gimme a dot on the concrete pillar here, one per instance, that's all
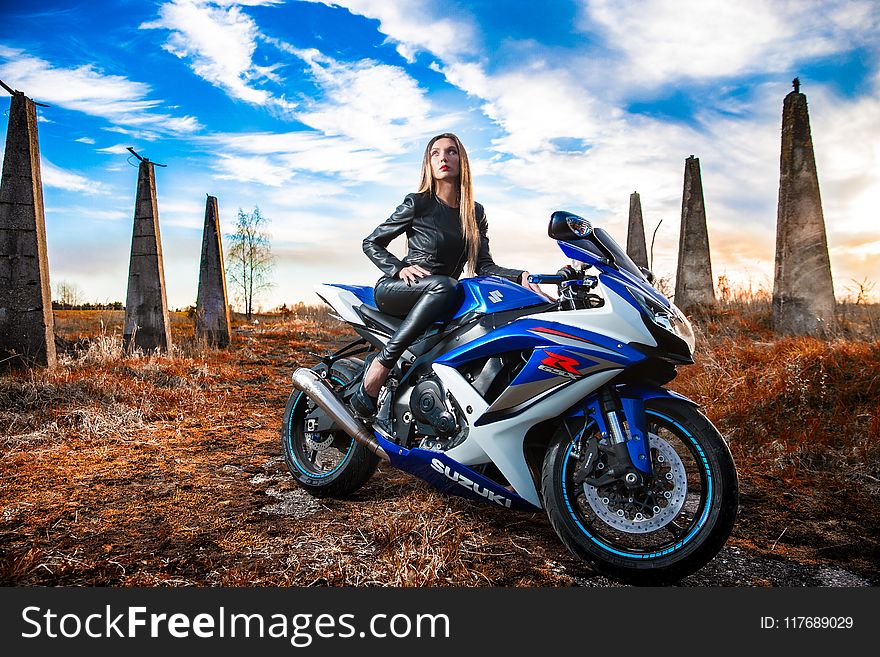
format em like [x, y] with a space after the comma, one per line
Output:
[693, 280]
[212, 304]
[803, 293]
[146, 308]
[27, 326]
[635, 234]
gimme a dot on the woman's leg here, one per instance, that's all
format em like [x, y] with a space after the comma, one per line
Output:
[421, 304]
[432, 298]
[374, 377]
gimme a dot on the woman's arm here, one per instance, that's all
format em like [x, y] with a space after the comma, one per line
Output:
[376, 242]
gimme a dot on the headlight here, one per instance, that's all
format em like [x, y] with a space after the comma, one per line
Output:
[670, 319]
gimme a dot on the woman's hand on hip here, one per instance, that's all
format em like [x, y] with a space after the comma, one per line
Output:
[524, 281]
[412, 274]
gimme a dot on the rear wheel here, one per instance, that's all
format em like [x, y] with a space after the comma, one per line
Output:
[663, 530]
[322, 458]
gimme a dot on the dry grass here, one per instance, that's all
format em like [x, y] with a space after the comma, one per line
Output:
[802, 417]
[747, 311]
[164, 470]
[796, 406]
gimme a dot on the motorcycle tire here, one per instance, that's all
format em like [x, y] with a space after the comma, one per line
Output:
[663, 531]
[327, 463]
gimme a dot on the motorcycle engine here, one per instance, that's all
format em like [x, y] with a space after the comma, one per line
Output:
[435, 416]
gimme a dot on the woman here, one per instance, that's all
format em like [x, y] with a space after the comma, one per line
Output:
[445, 231]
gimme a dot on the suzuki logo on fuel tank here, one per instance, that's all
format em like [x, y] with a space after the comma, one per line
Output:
[495, 296]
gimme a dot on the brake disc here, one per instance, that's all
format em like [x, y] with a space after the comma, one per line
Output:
[316, 440]
[620, 508]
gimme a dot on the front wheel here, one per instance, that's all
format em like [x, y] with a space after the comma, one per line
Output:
[663, 530]
[323, 459]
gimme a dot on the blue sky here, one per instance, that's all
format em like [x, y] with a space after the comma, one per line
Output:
[318, 112]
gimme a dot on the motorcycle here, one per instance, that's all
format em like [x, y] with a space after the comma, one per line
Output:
[528, 405]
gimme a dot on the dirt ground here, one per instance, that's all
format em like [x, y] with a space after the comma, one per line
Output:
[156, 471]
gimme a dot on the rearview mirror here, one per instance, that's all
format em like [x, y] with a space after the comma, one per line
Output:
[566, 226]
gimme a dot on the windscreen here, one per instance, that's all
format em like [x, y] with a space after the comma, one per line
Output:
[620, 258]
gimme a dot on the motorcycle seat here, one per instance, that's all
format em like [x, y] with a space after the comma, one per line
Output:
[385, 322]
[388, 323]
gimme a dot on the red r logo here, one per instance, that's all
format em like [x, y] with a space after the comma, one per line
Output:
[563, 362]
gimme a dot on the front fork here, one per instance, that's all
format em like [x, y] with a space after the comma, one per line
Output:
[626, 451]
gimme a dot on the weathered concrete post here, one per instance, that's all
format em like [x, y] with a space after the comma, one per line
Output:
[212, 303]
[27, 326]
[635, 234]
[803, 293]
[693, 280]
[146, 308]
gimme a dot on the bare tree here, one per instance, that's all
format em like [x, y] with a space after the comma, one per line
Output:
[249, 258]
[861, 290]
[68, 294]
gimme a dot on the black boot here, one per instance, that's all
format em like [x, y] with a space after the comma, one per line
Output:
[364, 405]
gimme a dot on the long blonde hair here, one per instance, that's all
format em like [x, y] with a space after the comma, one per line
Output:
[466, 208]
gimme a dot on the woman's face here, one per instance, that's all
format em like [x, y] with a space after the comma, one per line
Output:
[444, 159]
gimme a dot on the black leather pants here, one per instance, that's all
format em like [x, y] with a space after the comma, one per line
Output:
[430, 299]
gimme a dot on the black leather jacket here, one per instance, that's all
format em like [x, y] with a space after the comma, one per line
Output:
[434, 240]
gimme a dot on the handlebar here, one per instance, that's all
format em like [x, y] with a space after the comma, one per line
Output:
[567, 273]
[546, 278]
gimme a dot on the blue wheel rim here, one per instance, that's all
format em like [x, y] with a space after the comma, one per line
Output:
[294, 453]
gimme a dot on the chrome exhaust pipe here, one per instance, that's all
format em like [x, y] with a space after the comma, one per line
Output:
[315, 389]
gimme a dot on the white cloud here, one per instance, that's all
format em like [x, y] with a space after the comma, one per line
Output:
[115, 149]
[253, 168]
[248, 3]
[87, 89]
[180, 125]
[85, 140]
[219, 44]
[55, 176]
[377, 105]
[665, 40]
[146, 135]
[846, 140]
[93, 213]
[417, 26]
[533, 105]
[274, 158]
[182, 213]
